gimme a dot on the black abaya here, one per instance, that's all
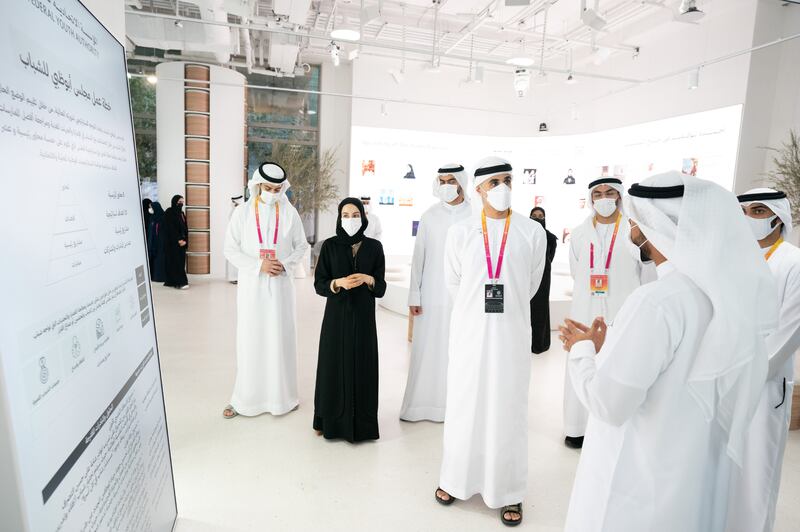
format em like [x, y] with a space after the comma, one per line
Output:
[175, 230]
[540, 304]
[156, 244]
[346, 396]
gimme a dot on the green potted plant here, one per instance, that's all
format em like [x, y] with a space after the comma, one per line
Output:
[785, 174]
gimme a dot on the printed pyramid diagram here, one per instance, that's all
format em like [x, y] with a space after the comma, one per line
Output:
[72, 249]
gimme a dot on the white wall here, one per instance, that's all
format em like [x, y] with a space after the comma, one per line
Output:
[334, 125]
[111, 13]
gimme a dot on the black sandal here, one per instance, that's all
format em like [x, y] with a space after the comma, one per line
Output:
[511, 509]
[444, 502]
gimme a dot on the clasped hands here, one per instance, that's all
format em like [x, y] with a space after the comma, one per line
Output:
[573, 332]
[354, 281]
[271, 267]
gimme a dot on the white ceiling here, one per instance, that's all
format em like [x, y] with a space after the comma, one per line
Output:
[487, 32]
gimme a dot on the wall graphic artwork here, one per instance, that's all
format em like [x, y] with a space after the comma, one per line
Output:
[549, 171]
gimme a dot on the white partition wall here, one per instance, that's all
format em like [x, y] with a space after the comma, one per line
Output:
[200, 120]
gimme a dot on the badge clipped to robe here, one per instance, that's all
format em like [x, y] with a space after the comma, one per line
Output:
[598, 283]
[493, 304]
[494, 293]
[267, 254]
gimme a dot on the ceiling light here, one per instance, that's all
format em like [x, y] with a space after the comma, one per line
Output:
[522, 81]
[477, 75]
[571, 79]
[346, 34]
[689, 11]
[694, 79]
[152, 79]
[520, 61]
[334, 50]
[592, 18]
[433, 68]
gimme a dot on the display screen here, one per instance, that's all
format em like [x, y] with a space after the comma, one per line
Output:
[80, 369]
[397, 168]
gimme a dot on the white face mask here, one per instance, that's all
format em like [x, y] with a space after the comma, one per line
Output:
[761, 227]
[605, 207]
[151, 210]
[268, 197]
[499, 197]
[447, 193]
[351, 226]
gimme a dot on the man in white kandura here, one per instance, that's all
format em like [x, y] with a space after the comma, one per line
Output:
[493, 266]
[374, 228]
[672, 390]
[265, 240]
[605, 271]
[429, 300]
[754, 488]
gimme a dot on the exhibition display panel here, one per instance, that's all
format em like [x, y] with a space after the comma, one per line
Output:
[81, 403]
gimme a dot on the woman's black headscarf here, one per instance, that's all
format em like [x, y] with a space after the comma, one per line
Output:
[158, 211]
[538, 220]
[175, 199]
[341, 235]
[146, 203]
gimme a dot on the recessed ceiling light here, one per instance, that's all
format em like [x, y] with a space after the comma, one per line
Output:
[520, 61]
[345, 34]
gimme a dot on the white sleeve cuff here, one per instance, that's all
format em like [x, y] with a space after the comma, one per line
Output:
[582, 349]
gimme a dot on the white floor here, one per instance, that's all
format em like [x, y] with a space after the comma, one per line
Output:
[274, 474]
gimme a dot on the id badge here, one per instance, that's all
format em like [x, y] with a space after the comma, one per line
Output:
[598, 285]
[494, 298]
[267, 254]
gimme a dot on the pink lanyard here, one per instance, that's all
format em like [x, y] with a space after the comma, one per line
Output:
[496, 275]
[277, 223]
[610, 248]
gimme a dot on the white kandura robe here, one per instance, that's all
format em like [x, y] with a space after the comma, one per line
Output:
[650, 462]
[754, 488]
[624, 276]
[266, 353]
[374, 228]
[426, 388]
[485, 447]
[231, 274]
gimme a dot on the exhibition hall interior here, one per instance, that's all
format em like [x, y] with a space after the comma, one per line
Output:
[400, 265]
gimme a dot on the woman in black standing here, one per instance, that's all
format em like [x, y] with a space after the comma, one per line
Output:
[176, 240]
[155, 245]
[350, 274]
[540, 304]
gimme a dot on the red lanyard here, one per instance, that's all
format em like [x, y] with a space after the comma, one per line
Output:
[496, 275]
[610, 248]
[277, 223]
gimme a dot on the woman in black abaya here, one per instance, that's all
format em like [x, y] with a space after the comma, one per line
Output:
[176, 240]
[155, 244]
[350, 274]
[540, 304]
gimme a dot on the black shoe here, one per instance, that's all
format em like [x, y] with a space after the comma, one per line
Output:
[574, 442]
